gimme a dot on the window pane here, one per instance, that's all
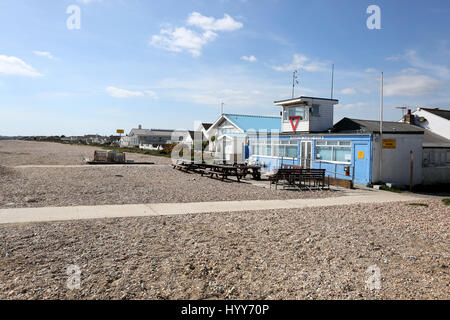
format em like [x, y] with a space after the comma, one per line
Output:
[332, 143]
[323, 153]
[342, 154]
[291, 151]
[297, 111]
[276, 151]
[344, 143]
[315, 110]
[321, 143]
[269, 150]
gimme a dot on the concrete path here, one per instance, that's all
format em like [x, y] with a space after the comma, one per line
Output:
[91, 166]
[27, 215]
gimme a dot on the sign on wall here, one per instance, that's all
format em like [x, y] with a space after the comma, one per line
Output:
[360, 154]
[389, 143]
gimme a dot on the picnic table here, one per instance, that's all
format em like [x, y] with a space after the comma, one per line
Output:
[221, 171]
[300, 178]
[255, 171]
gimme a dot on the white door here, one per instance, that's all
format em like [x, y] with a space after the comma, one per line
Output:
[306, 153]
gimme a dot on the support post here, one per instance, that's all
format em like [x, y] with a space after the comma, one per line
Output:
[411, 170]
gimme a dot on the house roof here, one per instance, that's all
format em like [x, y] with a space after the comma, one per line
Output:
[438, 112]
[373, 126]
[207, 125]
[140, 132]
[298, 99]
[257, 123]
[151, 132]
[433, 140]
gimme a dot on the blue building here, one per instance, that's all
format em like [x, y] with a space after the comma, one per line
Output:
[351, 149]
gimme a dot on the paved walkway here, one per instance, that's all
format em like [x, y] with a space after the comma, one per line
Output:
[90, 166]
[26, 215]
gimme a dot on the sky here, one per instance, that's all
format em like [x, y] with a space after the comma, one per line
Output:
[167, 64]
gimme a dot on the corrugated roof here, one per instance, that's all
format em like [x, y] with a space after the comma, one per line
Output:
[373, 126]
[258, 123]
[438, 112]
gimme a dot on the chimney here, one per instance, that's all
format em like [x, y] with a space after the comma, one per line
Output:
[409, 118]
[140, 127]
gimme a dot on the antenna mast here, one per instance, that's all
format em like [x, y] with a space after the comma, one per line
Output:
[332, 81]
[294, 82]
[221, 108]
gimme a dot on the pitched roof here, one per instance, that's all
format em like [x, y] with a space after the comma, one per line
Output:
[438, 112]
[257, 123]
[373, 126]
[140, 132]
[207, 125]
[433, 140]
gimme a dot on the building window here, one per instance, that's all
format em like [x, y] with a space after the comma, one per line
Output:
[334, 151]
[297, 111]
[287, 149]
[315, 110]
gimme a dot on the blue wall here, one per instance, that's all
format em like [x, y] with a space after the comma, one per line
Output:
[360, 169]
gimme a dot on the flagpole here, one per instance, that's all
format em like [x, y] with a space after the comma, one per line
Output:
[381, 126]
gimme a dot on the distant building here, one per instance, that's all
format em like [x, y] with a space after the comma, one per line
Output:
[436, 142]
[436, 120]
[230, 133]
[139, 136]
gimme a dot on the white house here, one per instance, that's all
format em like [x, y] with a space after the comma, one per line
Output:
[436, 120]
[228, 134]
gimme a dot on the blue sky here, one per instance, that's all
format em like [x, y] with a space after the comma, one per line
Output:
[166, 64]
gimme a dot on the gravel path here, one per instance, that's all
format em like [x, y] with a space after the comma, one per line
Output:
[46, 187]
[17, 153]
[320, 253]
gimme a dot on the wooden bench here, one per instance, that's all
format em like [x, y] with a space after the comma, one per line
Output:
[300, 178]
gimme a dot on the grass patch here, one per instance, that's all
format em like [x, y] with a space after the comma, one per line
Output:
[386, 188]
[446, 201]
[418, 204]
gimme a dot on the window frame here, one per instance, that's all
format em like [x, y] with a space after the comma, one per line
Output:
[332, 145]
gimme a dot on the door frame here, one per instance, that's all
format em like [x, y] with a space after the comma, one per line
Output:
[304, 162]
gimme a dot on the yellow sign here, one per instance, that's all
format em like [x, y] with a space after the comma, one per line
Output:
[120, 131]
[389, 143]
[360, 154]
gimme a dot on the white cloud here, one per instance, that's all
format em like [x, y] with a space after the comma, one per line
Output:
[348, 91]
[16, 66]
[410, 85]
[179, 39]
[151, 94]
[304, 63]
[396, 57]
[357, 105]
[88, 1]
[185, 39]
[241, 91]
[45, 54]
[249, 58]
[227, 23]
[417, 62]
[122, 93]
[370, 70]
